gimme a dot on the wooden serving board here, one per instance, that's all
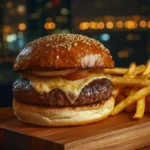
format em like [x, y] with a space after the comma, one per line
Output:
[115, 132]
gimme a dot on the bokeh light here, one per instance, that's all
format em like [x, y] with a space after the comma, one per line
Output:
[93, 25]
[9, 4]
[22, 26]
[109, 25]
[7, 29]
[119, 24]
[49, 25]
[21, 9]
[148, 24]
[130, 24]
[100, 25]
[142, 24]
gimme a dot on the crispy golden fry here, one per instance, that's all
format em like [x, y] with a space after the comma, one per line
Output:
[116, 71]
[139, 70]
[132, 88]
[147, 70]
[130, 71]
[128, 92]
[117, 91]
[131, 99]
[140, 109]
[136, 82]
[144, 76]
[122, 71]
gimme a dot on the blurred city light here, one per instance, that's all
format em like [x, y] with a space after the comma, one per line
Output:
[119, 24]
[84, 25]
[93, 25]
[130, 24]
[22, 26]
[11, 38]
[9, 4]
[100, 25]
[123, 54]
[7, 29]
[49, 25]
[64, 11]
[105, 37]
[142, 24]
[148, 24]
[21, 9]
[109, 25]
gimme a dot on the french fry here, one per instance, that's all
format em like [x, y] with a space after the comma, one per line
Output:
[116, 91]
[116, 71]
[147, 70]
[130, 71]
[140, 109]
[122, 71]
[128, 92]
[130, 82]
[132, 89]
[131, 99]
[144, 76]
[139, 70]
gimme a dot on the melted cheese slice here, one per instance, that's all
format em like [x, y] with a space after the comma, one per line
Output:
[71, 89]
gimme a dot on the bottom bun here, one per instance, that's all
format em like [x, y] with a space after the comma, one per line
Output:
[67, 116]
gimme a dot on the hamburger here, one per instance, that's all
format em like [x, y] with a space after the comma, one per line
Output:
[62, 81]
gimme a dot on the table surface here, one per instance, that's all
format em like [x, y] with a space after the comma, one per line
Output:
[9, 113]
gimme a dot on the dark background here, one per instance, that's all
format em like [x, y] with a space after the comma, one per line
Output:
[123, 26]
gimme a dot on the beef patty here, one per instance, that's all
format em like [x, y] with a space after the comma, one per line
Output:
[97, 91]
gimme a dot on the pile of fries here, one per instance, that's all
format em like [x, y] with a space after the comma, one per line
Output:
[131, 89]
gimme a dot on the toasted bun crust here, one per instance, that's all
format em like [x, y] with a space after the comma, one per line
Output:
[63, 51]
[64, 116]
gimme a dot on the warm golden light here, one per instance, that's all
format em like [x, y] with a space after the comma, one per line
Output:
[22, 26]
[21, 9]
[119, 24]
[100, 25]
[80, 26]
[148, 24]
[109, 25]
[143, 24]
[123, 54]
[85, 25]
[9, 4]
[49, 25]
[93, 25]
[7, 29]
[136, 24]
[130, 24]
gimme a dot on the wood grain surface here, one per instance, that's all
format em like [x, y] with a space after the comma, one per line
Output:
[115, 132]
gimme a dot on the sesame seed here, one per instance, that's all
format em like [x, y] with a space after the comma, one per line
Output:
[57, 57]
[68, 41]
